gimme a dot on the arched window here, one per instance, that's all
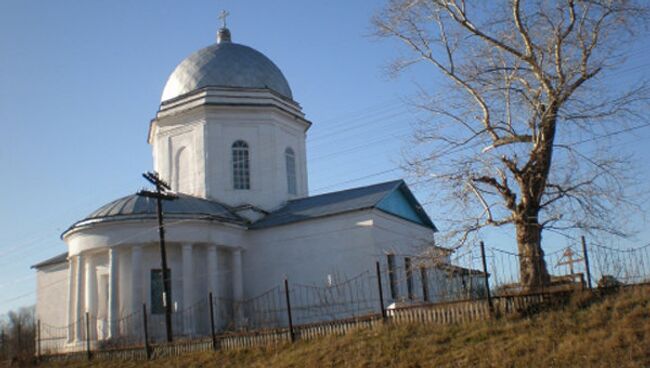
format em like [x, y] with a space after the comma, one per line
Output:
[182, 181]
[241, 178]
[290, 161]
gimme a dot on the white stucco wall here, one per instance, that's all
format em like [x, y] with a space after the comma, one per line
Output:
[401, 238]
[268, 134]
[340, 247]
[192, 148]
[307, 252]
[52, 303]
[178, 152]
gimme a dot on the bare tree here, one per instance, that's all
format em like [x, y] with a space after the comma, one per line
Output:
[17, 335]
[526, 89]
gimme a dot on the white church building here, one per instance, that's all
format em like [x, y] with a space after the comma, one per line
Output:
[229, 138]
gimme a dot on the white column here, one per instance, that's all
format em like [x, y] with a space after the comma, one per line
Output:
[136, 286]
[136, 278]
[213, 267]
[70, 314]
[113, 306]
[91, 296]
[188, 288]
[213, 280]
[237, 284]
[79, 308]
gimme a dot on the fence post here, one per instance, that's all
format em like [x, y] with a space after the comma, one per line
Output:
[485, 278]
[88, 353]
[381, 293]
[425, 283]
[38, 339]
[214, 336]
[586, 258]
[292, 336]
[147, 349]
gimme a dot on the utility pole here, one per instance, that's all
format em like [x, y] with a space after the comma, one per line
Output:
[162, 192]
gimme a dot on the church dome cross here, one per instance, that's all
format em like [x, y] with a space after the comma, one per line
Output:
[223, 35]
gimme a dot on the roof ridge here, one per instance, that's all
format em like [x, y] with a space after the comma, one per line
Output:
[59, 258]
[346, 190]
[327, 204]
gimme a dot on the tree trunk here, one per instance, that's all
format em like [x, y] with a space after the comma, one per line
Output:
[533, 272]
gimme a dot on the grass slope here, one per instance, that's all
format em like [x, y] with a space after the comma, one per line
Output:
[612, 332]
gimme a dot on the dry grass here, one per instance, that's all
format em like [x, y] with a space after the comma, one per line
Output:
[614, 332]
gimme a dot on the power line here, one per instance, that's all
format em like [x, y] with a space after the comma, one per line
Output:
[362, 124]
[357, 179]
[358, 147]
[344, 118]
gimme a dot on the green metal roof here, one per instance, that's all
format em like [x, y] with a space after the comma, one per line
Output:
[392, 197]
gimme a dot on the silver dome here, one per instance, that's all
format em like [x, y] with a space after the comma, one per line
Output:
[225, 64]
[135, 207]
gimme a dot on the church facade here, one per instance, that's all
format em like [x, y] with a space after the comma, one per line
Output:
[229, 138]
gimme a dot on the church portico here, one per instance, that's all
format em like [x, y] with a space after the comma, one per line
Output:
[110, 293]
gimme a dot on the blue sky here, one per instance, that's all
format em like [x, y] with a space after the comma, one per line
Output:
[80, 80]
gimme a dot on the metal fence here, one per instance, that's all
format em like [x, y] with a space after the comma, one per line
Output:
[579, 264]
[398, 282]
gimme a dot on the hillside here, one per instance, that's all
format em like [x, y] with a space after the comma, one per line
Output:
[609, 332]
